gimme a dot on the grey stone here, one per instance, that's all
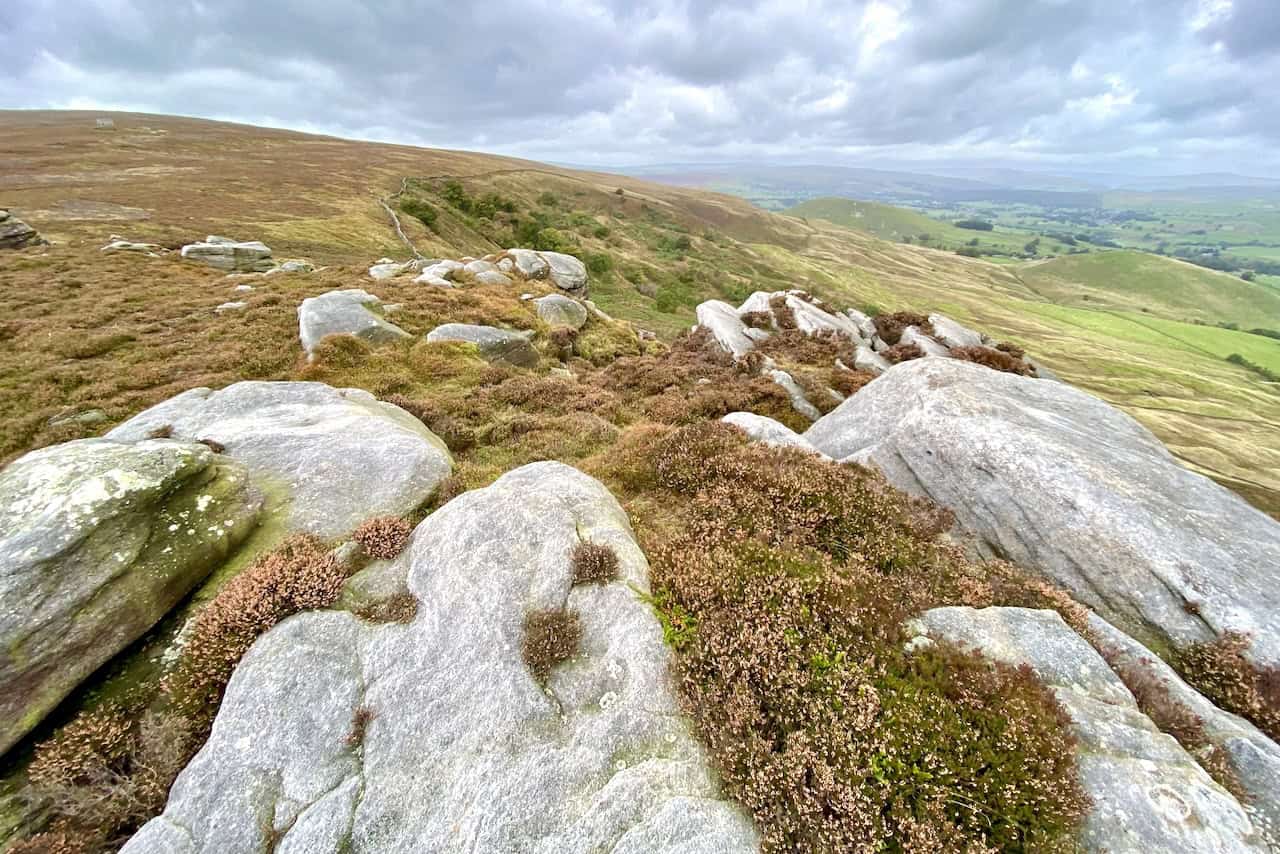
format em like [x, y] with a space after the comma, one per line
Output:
[98, 540]
[328, 458]
[566, 272]
[913, 335]
[344, 313]
[385, 268]
[866, 359]
[501, 345]
[294, 265]
[15, 234]
[1056, 480]
[528, 263]
[87, 418]
[231, 306]
[1254, 757]
[475, 267]
[952, 334]
[762, 429]
[120, 245]
[1148, 793]
[866, 326]
[559, 310]
[227, 254]
[463, 749]
[492, 277]
[799, 402]
[722, 321]
[812, 319]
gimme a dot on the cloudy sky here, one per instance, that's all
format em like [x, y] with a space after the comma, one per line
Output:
[1155, 86]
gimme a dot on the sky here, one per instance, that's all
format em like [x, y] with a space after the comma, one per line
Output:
[1138, 86]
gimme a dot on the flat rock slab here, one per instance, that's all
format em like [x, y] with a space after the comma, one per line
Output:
[230, 255]
[347, 312]
[1056, 480]
[338, 456]
[496, 345]
[1148, 793]
[98, 540]
[463, 749]
[560, 310]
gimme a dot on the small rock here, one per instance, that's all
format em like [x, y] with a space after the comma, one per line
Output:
[296, 265]
[770, 432]
[866, 326]
[492, 277]
[118, 245]
[799, 402]
[244, 289]
[866, 359]
[344, 313]
[912, 335]
[495, 344]
[15, 234]
[386, 268]
[227, 254]
[231, 306]
[559, 310]
[87, 418]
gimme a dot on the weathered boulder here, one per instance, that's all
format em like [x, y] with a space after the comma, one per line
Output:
[339, 735]
[799, 402]
[440, 271]
[528, 263]
[477, 266]
[119, 244]
[913, 336]
[763, 429]
[230, 255]
[491, 277]
[722, 321]
[98, 540]
[809, 317]
[866, 359]
[566, 271]
[15, 234]
[386, 268]
[1148, 793]
[866, 326]
[560, 310]
[1054, 479]
[952, 334]
[328, 458]
[293, 265]
[1254, 758]
[496, 345]
[235, 305]
[344, 313]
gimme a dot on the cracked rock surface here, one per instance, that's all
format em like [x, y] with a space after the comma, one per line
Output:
[463, 750]
[1054, 479]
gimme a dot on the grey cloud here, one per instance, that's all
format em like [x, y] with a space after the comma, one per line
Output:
[621, 81]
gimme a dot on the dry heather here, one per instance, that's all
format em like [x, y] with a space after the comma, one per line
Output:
[550, 637]
[1222, 672]
[384, 537]
[594, 563]
[997, 360]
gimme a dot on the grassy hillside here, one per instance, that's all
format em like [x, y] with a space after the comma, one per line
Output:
[1141, 282]
[903, 225]
[79, 330]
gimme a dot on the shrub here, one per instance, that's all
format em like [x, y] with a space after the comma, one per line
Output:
[1012, 349]
[997, 360]
[383, 537]
[975, 225]
[821, 349]
[550, 637]
[758, 319]
[783, 315]
[164, 431]
[360, 721]
[1221, 670]
[903, 353]
[562, 339]
[455, 435]
[420, 211]
[299, 575]
[891, 326]
[598, 263]
[849, 382]
[594, 563]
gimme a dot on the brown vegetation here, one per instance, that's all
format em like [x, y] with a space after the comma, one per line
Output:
[891, 326]
[594, 563]
[384, 537]
[903, 353]
[550, 637]
[998, 360]
[1221, 670]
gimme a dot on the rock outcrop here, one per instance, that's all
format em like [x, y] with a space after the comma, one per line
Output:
[349, 312]
[230, 255]
[496, 345]
[435, 736]
[1055, 479]
[14, 233]
[1148, 793]
[98, 540]
[328, 458]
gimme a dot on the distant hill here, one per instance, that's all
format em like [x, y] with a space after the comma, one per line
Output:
[1142, 282]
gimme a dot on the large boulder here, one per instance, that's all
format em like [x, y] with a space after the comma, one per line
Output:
[560, 310]
[98, 540]
[496, 345]
[760, 428]
[349, 312]
[1148, 793]
[14, 233]
[952, 334]
[528, 263]
[340, 735]
[722, 321]
[329, 458]
[566, 272]
[1054, 479]
[230, 255]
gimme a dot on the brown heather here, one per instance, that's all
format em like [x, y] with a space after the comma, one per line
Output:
[594, 563]
[995, 359]
[903, 353]
[383, 537]
[784, 592]
[550, 637]
[400, 608]
[783, 315]
[1220, 669]
[891, 326]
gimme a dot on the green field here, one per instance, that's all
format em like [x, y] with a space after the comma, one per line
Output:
[1141, 282]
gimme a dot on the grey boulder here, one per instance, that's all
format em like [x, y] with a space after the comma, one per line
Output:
[528, 263]
[491, 277]
[230, 255]
[15, 234]
[98, 540]
[327, 458]
[866, 359]
[722, 321]
[760, 428]
[912, 336]
[496, 345]
[566, 271]
[1148, 793]
[337, 735]
[1054, 479]
[348, 312]
[560, 310]
[952, 334]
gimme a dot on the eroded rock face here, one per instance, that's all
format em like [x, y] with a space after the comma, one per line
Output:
[462, 749]
[230, 255]
[1148, 793]
[1057, 480]
[335, 456]
[501, 345]
[349, 312]
[98, 540]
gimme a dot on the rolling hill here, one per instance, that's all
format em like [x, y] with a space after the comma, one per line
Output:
[80, 330]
